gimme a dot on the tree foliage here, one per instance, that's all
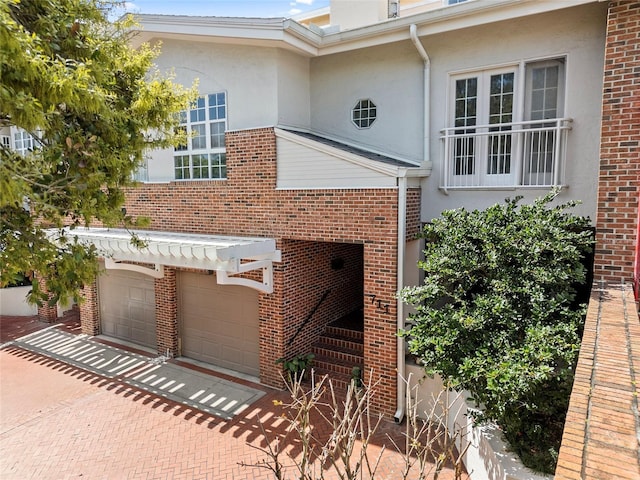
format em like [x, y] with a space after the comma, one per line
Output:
[94, 105]
[497, 315]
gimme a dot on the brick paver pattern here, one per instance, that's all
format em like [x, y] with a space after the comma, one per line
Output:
[58, 421]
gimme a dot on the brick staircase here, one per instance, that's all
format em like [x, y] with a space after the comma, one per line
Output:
[337, 351]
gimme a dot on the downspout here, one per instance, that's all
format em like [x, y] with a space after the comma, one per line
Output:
[402, 213]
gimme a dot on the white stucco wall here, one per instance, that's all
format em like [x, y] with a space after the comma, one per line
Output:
[390, 76]
[13, 301]
[293, 101]
[247, 74]
[576, 34]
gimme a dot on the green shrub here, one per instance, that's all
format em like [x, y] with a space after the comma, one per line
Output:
[497, 315]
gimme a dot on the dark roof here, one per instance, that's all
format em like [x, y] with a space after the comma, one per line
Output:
[354, 150]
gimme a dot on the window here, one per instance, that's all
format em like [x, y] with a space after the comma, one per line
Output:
[23, 142]
[203, 156]
[5, 141]
[364, 114]
[499, 136]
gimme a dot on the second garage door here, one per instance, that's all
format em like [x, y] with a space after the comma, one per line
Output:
[220, 323]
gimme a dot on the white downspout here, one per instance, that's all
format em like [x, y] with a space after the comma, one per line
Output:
[413, 32]
[402, 213]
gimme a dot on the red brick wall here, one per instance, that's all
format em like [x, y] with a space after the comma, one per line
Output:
[247, 203]
[89, 313]
[414, 223]
[167, 313]
[46, 313]
[617, 211]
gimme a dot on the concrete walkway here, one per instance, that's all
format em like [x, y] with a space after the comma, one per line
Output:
[60, 420]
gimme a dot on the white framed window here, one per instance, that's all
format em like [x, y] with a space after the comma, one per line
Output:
[486, 100]
[5, 141]
[203, 157]
[497, 134]
[364, 113]
[23, 142]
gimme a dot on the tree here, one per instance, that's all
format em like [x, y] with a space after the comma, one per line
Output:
[497, 315]
[93, 105]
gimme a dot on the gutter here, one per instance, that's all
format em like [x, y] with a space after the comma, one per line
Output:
[402, 228]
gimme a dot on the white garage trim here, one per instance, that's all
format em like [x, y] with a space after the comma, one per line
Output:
[226, 255]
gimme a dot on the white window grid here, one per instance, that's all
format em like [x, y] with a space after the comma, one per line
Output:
[364, 113]
[203, 157]
[537, 93]
[23, 142]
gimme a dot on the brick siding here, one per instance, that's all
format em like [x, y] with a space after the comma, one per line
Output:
[46, 313]
[89, 312]
[618, 188]
[601, 431]
[311, 228]
[167, 313]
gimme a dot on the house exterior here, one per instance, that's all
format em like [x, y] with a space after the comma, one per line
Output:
[321, 145]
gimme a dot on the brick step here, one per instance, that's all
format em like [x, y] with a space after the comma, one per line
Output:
[340, 382]
[330, 364]
[352, 354]
[345, 333]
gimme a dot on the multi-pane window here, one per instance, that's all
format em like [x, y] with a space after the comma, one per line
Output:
[500, 113]
[364, 114]
[5, 141]
[543, 85]
[498, 134]
[23, 142]
[466, 115]
[203, 156]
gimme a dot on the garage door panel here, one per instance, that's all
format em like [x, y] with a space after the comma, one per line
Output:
[219, 322]
[127, 306]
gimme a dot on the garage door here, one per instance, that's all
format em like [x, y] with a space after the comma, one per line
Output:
[127, 306]
[219, 322]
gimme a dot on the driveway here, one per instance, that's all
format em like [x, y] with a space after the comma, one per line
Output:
[60, 421]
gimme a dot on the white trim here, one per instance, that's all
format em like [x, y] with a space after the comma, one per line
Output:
[156, 272]
[226, 254]
[288, 34]
[385, 169]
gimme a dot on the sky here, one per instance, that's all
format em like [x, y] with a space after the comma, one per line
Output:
[226, 8]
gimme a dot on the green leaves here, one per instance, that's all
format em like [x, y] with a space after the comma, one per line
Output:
[94, 105]
[497, 313]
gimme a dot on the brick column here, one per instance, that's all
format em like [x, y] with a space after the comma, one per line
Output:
[46, 313]
[167, 313]
[89, 312]
[617, 212]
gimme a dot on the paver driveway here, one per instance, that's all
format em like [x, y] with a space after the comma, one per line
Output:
[58, 421]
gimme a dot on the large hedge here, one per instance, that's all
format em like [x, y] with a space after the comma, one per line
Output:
[497, 315]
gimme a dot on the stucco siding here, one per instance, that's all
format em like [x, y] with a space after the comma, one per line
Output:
[391, 77]
[248, 75]
[576, 34]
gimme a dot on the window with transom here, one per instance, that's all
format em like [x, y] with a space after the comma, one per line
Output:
[203, 156]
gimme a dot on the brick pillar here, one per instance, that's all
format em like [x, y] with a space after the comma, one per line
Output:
[617, 212]
[167, 313]
[89, 312]
[46, 313]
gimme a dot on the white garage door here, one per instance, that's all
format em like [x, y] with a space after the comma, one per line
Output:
[128, 306]
[219, 323]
